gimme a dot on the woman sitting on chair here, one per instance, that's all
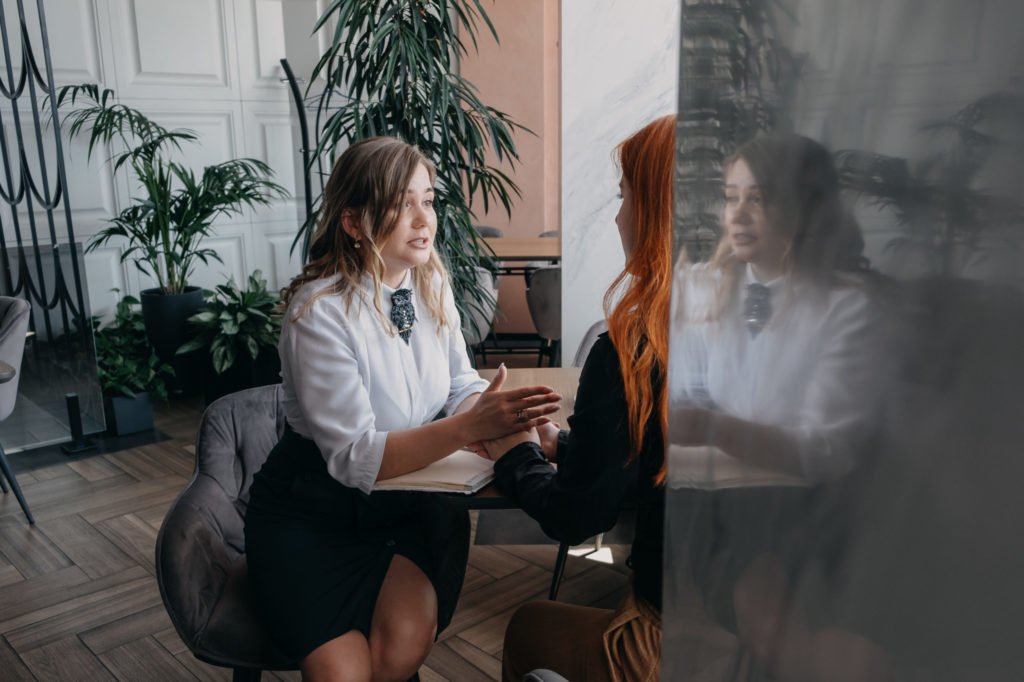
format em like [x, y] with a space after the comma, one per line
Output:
[355, 584]
[614, 449]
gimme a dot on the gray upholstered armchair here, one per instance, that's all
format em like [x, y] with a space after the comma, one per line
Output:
[200, 551]
[14, 314]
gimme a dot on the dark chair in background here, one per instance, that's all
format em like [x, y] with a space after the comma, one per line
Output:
[487, 232]
[544, 299]
[200, 551]
[477, 325]
[14, 313]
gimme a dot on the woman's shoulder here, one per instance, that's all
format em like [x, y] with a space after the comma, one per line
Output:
[316, 298]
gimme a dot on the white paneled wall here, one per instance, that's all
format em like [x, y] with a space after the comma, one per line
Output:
[207, 65]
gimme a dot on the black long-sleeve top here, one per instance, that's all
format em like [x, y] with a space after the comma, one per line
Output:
[592, 483]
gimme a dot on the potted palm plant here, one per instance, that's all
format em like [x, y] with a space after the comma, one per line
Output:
[238, 329]
[129, 371]
[164, 226]
[391, 68]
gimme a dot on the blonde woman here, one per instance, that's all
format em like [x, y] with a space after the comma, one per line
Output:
[355, 584]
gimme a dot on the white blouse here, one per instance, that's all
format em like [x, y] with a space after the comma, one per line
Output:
[814, 370]
[348, 381]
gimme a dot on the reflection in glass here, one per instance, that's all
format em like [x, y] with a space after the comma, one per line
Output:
[845, 351]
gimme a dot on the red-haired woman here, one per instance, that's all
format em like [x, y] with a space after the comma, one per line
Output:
[615, 446]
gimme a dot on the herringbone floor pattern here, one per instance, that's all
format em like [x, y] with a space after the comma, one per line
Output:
[79, 600]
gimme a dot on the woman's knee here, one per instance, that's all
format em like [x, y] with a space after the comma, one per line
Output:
[400, 647]
[343, 659]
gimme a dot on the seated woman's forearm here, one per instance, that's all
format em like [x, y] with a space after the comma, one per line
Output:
[415, 448]
[759, 444]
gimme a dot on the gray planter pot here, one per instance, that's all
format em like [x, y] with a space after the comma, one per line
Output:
[128, 415]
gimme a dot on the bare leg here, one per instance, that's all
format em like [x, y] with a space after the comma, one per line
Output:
[343, 659]
[404, 622]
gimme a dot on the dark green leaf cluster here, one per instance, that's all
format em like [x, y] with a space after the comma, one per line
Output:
[236, 322]
[164, 227]
[125, 360]
[390, 69]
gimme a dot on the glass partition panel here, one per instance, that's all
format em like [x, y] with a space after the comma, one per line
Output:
[844, 468]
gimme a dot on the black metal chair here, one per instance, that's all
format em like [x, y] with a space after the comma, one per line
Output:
[14, 313]
[200, 551]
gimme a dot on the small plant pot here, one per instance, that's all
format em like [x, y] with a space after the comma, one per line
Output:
[128, 415]
[166, 318]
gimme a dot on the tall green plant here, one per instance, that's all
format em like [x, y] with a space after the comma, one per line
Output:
[391, 69]
[165, 226]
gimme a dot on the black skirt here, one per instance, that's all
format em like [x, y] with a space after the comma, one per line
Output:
[317, 551]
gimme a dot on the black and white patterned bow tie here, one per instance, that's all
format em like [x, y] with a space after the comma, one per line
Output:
[402, 312]
[757, 309]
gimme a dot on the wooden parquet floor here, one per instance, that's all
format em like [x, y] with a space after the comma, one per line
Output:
[79, 600]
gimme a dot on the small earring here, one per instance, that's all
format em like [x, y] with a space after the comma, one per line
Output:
[359, 244]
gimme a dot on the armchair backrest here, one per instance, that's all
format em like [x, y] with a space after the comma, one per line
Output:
[14, 314]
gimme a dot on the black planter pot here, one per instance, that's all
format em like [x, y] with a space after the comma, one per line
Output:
[244, 373]
[128, 415]
[166, 319]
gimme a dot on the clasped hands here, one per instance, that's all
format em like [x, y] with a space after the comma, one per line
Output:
[508, 418]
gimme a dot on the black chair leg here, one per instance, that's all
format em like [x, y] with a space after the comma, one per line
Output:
[5, 472]
[246, 675]
[556, 574]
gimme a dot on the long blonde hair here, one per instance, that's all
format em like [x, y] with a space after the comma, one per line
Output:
[370, 177]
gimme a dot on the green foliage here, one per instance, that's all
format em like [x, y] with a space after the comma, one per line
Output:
[164, 227]
[235, 322]
[125, 361]
[391, 69]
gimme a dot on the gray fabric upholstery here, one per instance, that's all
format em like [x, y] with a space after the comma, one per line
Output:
[13, 325]
[478, 323]
[583, 350]
[200, 551]
[543, 676]
[487, 231]
[544, 298]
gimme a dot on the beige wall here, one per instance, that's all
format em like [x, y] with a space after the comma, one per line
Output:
[521, 76]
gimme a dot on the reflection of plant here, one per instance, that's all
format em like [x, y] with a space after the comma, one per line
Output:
[125, 361]
[236, 322]
[391, 69]
[940, 205]
[165, 227]
[739, 76]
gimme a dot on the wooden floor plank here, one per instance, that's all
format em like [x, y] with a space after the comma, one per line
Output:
[529, 583]
[170, 640]
[449, 665]
[134, 537]
[489, 664]
[143, 464]
[87, 612]
[26, 548]
[204, 671]
[41, 591]
[495, 562]
[13, 667]
[130, 497]
[66, 659]
[9, 575]
[112, 634]
[94, 469]
[87, 548]
[145, 659]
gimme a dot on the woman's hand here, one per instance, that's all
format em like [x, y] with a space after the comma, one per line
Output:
[496, 449]
[499, 413]
[548, 435]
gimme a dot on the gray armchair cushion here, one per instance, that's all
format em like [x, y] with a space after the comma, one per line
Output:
[200, 551]
[14, 314]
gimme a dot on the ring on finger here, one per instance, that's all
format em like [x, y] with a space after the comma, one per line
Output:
[521, 416]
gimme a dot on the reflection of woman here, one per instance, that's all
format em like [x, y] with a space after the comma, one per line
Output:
[772, 351]
[355, 585]
[774, 361]
[615, 447]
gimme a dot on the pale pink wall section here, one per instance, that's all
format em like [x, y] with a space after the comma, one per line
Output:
[521, 76]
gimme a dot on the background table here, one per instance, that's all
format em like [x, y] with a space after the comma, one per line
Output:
[526, 248]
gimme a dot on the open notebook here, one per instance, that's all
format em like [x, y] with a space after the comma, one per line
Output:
[708, 468]
[460, 472]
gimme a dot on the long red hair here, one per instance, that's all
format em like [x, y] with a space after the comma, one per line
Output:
[638, 319]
